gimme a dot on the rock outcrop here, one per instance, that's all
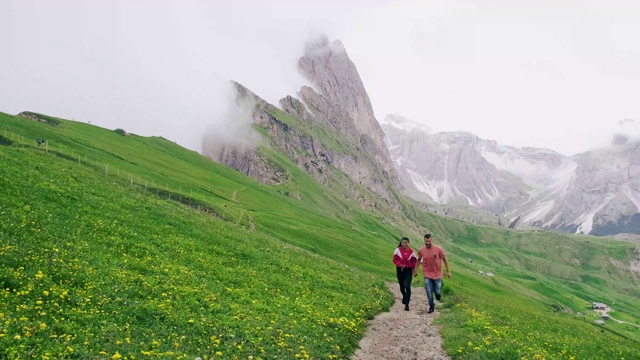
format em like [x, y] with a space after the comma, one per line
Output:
[39, 118]
[238, 147]
[330, 128]
[341, 100]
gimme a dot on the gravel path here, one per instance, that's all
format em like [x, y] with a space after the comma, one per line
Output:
[403, 335]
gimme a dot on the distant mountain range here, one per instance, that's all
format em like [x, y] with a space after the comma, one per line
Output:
[596, 192]
[329, 130]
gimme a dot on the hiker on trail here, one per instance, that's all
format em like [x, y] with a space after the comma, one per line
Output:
[431, 258]
[406, 266]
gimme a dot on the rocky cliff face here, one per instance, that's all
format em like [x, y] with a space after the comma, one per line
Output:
[235, 144]
[332, 127]
[604, 194]
[448, 168]
[342, 101]
[596, 192]
[341, 97]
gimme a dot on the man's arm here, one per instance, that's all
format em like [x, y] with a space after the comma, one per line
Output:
[446, 264]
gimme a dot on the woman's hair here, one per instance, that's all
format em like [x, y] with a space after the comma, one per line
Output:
[404, 238]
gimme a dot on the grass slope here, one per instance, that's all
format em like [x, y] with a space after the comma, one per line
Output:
[128, 247]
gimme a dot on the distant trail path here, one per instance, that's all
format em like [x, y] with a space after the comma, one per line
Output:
[403, 335]
[624, 322]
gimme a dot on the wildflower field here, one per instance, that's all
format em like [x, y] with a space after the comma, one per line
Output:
[490, 322]
[116, 247]
[89, 269]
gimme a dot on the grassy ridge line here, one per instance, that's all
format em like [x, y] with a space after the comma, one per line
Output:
[175, 167]
[139, 156]
[318, 209]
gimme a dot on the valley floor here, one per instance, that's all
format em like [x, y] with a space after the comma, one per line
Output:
[403, 335]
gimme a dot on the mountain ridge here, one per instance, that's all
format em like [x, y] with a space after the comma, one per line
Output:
[331, 126]
[595, 192]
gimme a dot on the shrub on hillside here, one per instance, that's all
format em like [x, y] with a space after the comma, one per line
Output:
[4, 141]
[121, 132]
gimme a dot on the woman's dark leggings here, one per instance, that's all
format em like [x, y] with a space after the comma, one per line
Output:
[404, 279]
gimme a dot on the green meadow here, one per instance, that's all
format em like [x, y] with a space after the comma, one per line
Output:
[115, 247]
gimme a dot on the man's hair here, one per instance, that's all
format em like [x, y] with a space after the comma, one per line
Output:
[427, 236]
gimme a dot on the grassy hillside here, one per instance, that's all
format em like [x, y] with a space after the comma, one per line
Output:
[114, 246]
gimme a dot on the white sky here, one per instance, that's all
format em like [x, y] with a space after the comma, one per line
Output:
[557, 74]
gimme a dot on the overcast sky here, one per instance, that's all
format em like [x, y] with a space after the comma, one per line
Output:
[556, 74]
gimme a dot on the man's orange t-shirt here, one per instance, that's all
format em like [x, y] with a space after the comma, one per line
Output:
[431, 261]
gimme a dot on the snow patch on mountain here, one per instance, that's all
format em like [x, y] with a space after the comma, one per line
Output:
[511, 162]
[586, 220]
[438, 191]
[632, 195]
[539, 211]
[469, 201]
[560, 180]
[404, 124]
[533, 166]
[491, 195]
[554, 220]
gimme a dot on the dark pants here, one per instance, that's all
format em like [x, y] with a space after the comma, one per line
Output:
[404, 279]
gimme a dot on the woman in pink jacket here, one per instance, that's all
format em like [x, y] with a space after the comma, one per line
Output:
[406, 266]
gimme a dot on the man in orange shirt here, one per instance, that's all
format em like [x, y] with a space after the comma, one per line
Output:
[431, 258]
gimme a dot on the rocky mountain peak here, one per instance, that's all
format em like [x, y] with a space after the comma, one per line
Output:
[338, 96]
[328, 126]
[338, 89]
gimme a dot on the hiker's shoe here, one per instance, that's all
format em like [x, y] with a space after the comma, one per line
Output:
[438, 296]
[431, 309]
[406, 307]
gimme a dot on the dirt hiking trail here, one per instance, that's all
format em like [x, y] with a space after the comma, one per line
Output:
[403, 335]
